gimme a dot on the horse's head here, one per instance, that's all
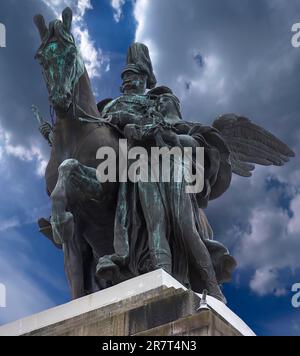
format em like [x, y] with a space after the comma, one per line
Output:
[60, 59]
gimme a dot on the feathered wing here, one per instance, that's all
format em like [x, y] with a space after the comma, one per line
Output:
[251, 144]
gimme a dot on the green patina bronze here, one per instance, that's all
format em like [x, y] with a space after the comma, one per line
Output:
[61, 62]
[115, 231]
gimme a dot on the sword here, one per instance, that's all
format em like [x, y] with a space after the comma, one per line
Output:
[42, 123]
[38, 115]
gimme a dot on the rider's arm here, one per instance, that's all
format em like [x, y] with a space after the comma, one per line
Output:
[47, 132]
[122, 118]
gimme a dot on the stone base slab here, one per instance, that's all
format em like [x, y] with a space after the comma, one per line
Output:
[154, 304]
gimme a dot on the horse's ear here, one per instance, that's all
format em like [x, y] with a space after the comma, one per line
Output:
[67, 16]
[41, 25]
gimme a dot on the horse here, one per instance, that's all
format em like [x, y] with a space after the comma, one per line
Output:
[83, 210]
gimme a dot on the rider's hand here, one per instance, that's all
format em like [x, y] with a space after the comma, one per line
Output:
[45, 130]
[115, 120]
[133, 133]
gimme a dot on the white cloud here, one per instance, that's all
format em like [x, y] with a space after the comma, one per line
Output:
[117, 5]
[83, 6]
[95, 60]
[56, 5]
[8, 224]
[264, 282]
[272, 246]
[140, 13]
[26, 154]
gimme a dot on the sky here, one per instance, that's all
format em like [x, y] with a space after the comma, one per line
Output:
[218, 57]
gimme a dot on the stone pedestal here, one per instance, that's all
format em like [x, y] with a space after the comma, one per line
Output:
[154, 304]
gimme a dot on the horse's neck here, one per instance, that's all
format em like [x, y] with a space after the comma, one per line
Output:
[85, 99]
[69, 130]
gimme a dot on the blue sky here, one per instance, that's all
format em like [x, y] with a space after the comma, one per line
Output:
[218, 57]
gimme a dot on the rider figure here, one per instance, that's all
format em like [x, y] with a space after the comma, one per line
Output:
[137, 77]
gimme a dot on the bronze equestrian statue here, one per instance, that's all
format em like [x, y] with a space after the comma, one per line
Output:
[117, 230]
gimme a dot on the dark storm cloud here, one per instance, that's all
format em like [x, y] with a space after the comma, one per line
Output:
[250, 65]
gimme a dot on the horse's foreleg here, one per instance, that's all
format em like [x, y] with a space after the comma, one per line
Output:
[76, 189]
[63, 227]
[62, 221]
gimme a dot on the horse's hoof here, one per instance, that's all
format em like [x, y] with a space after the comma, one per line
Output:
[121, 261]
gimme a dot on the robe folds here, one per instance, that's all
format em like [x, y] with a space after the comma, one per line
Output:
[161, 222]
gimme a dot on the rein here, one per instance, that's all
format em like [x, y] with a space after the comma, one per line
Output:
[52, 115]
[88, 118]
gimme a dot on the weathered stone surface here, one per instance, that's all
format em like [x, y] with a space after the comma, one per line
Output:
[113, 320]
[206, 323]
[154, 305]
[161, 312]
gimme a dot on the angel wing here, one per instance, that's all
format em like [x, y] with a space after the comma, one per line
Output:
[251, 144]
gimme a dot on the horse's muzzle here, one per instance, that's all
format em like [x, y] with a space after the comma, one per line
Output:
[61, 102]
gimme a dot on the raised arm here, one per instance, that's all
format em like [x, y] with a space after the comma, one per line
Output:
[44, 127]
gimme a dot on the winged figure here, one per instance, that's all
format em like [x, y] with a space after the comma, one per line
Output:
[250, 144]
